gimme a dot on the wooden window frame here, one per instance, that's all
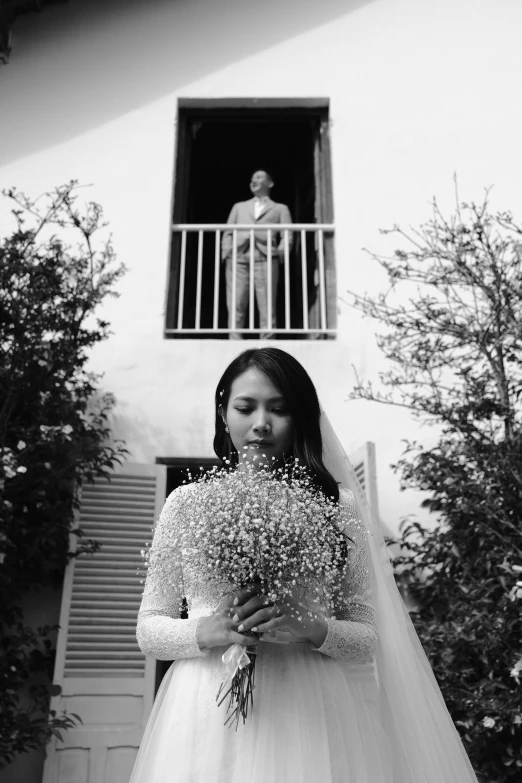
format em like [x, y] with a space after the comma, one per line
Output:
[193, 109]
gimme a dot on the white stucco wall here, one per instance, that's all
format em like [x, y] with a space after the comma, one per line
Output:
[418, 90]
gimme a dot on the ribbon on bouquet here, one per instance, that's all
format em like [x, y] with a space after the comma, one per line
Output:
[238, 682]
[235, 658]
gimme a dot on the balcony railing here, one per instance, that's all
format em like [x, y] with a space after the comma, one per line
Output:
[202, 301]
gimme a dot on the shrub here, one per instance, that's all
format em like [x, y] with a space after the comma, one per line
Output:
[54, 432]
[452, 331]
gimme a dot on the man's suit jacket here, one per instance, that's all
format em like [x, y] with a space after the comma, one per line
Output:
[243, 212]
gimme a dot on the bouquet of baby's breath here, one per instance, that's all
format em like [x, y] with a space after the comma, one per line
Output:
[268, 525]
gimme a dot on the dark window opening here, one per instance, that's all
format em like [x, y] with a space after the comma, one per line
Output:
[217, 152]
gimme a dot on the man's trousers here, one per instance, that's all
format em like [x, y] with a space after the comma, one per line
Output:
[243, 294]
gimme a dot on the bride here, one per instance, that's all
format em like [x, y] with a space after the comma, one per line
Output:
[350, 699]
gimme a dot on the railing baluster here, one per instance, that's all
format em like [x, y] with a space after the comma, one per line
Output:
[287, 278]
[304, 280]
[211, 323]
[269, 313]
[322, 292]
[198, 279]
[181, 294]
[234, 276]
[217, 269]
[251, 289]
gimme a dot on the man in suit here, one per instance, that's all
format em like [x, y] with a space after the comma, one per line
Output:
[258, 210]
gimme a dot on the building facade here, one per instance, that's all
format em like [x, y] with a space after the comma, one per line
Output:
[363, 110]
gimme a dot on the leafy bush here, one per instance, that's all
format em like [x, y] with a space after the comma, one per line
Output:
[453, 332]
[54, 432]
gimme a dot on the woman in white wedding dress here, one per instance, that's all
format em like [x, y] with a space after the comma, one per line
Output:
[349, 699]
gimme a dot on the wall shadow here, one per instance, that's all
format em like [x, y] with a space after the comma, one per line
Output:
[78, 66]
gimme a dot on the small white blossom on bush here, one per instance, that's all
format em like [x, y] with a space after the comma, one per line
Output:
[49, 432]
[516, 591]
[517, 720]
[21, 469]
[516, 670]
[8, 462]
[20, 445]
[488, 722]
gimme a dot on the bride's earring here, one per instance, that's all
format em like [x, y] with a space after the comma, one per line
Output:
[222, 416]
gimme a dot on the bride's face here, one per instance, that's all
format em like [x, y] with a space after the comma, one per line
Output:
[258, 418]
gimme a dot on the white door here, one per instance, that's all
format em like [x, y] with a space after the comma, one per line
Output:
[99, 667]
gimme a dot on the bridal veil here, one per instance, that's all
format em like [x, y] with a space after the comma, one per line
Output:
[425, 745]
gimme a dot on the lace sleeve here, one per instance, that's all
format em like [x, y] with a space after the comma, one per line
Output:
[352, 635]
[160, 631]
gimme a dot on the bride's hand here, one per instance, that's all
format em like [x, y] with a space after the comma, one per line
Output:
[220, 628]
[259, 615]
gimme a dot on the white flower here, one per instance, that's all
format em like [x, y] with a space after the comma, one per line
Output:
[488, 722]
[67, 429]
[517, 720]
[20, 445]
[515, 671]
[21, 469]
[516, 592]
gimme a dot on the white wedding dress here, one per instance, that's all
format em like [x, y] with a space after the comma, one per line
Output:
[317, 713]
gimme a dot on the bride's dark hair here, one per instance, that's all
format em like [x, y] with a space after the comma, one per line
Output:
[296, 386]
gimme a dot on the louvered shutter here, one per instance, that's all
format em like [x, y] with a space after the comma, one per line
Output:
[106, 592]
[100, 669]
[363, 461]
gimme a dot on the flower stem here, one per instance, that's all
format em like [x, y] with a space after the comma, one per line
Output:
[241, 691]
